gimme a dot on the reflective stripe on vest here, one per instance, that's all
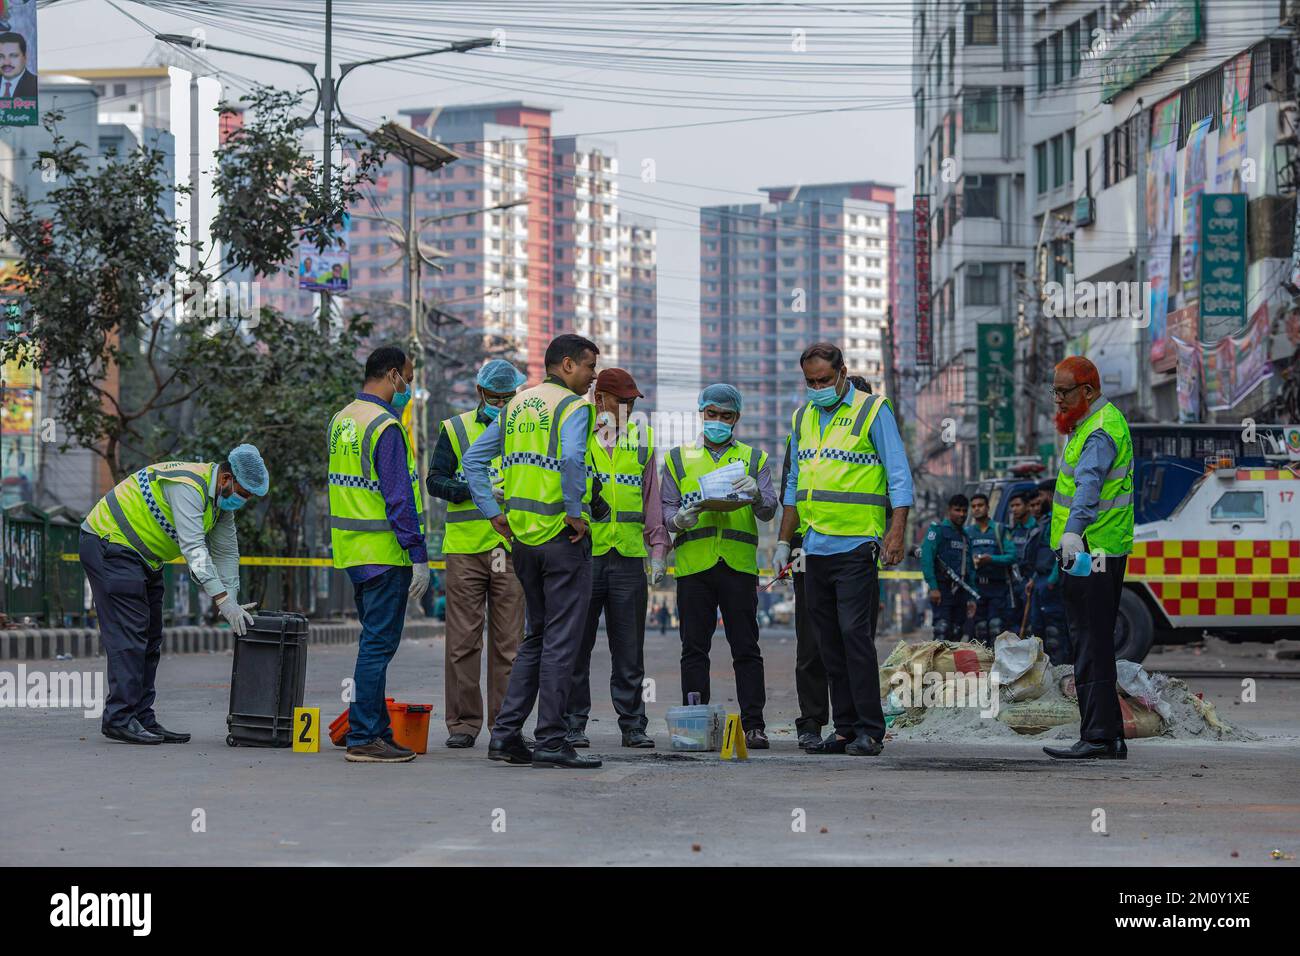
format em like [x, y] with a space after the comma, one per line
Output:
[468, 531]
[136, 513]
[620, 476]
[842, 487]
[1111, 532]
[359, 528]
[729, 535]
[532, 422]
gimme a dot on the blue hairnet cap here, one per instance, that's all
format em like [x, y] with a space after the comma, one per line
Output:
[725, 397]
[250, 471]
[499, 375]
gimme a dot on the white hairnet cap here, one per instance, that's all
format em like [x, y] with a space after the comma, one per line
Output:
[250, 471]
[499, 375]
[725, 397]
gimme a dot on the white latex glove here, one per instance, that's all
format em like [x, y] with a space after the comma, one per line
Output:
[747, 486]
[419, 582]
[499, 491]
[1071, 546]
[238, 619]
[780, 557]
[658, 568]
[687, 517]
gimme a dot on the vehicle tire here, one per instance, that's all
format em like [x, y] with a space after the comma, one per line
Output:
[1134, 629]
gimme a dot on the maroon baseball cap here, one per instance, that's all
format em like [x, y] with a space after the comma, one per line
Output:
[617, 382]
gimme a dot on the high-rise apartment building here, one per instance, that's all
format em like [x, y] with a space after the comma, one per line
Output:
[812, 263]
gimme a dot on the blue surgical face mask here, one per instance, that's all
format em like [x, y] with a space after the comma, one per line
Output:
[401, 398]
[491, 411]
[716, 431]
[231, 502]
[827, 397]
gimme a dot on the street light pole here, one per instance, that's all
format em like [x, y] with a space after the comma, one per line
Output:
[327, 95]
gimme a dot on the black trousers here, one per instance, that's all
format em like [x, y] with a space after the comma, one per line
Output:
[810, 682]
[618, 590]
[556, 578]
[128, 603]
[700, 596]
[843, 591]
[1091, 607]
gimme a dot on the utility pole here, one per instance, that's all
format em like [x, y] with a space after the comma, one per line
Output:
[327, 100]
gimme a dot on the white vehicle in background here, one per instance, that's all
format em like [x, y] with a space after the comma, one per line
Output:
[1226, 559]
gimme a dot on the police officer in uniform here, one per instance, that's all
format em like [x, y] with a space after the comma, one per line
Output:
[1016, 537]
[541, 438]
[991, 560]
[946, 541]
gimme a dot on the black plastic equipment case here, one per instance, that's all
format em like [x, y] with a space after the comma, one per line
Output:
[267, 680]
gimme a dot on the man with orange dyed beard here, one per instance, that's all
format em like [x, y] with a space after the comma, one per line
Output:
[1092, 531]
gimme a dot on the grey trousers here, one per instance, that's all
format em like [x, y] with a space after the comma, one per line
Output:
[556, 579]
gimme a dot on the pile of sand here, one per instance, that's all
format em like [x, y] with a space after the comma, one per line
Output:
[1190, 718]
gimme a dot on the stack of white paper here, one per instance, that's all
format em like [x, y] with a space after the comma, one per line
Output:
[717, 484]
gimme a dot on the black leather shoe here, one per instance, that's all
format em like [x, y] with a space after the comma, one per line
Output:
[638, 738]
[1084, 750]
[460, 741]
[529, 742]
[132, 732]
[831, 745]
[168, 736]
[577, 739]
[808, 738]
[565, 757]
[756, 739]
[863, 746]
[510, 750]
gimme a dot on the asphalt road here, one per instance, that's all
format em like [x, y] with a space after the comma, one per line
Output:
[69, 796]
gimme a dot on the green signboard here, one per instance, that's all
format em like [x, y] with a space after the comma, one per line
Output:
[996, 354]
[1223, 264]
[1152, 35]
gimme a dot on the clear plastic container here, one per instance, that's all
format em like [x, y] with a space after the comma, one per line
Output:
[696, 726]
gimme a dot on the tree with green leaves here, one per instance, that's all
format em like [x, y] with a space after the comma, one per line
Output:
[279, 392]
[117, 298]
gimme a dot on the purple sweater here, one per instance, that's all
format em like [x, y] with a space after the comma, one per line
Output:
[399, 501]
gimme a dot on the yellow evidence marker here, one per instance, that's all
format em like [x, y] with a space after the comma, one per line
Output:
[306, 730]
[733, 740]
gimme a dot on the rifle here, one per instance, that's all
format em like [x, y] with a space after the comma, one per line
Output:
[953, 575]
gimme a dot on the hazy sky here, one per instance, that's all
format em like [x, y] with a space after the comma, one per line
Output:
[704, 89]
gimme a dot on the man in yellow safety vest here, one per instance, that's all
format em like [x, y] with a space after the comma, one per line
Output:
[155, 515]
[1092, 530]
[480, 577]
[377, 534]
[541, 438]
[717, 552]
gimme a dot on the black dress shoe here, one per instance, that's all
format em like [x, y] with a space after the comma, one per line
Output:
[831, 745]
[1084, 750]
[577, 739]
[510, 750]
[168, 736]
[565, 757]
[863, 746]
[756, 739]
[638, 738]
[460, 741]
[132, 732]
[808, 738]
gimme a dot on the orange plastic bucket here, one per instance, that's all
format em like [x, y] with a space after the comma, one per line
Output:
[410, 725]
